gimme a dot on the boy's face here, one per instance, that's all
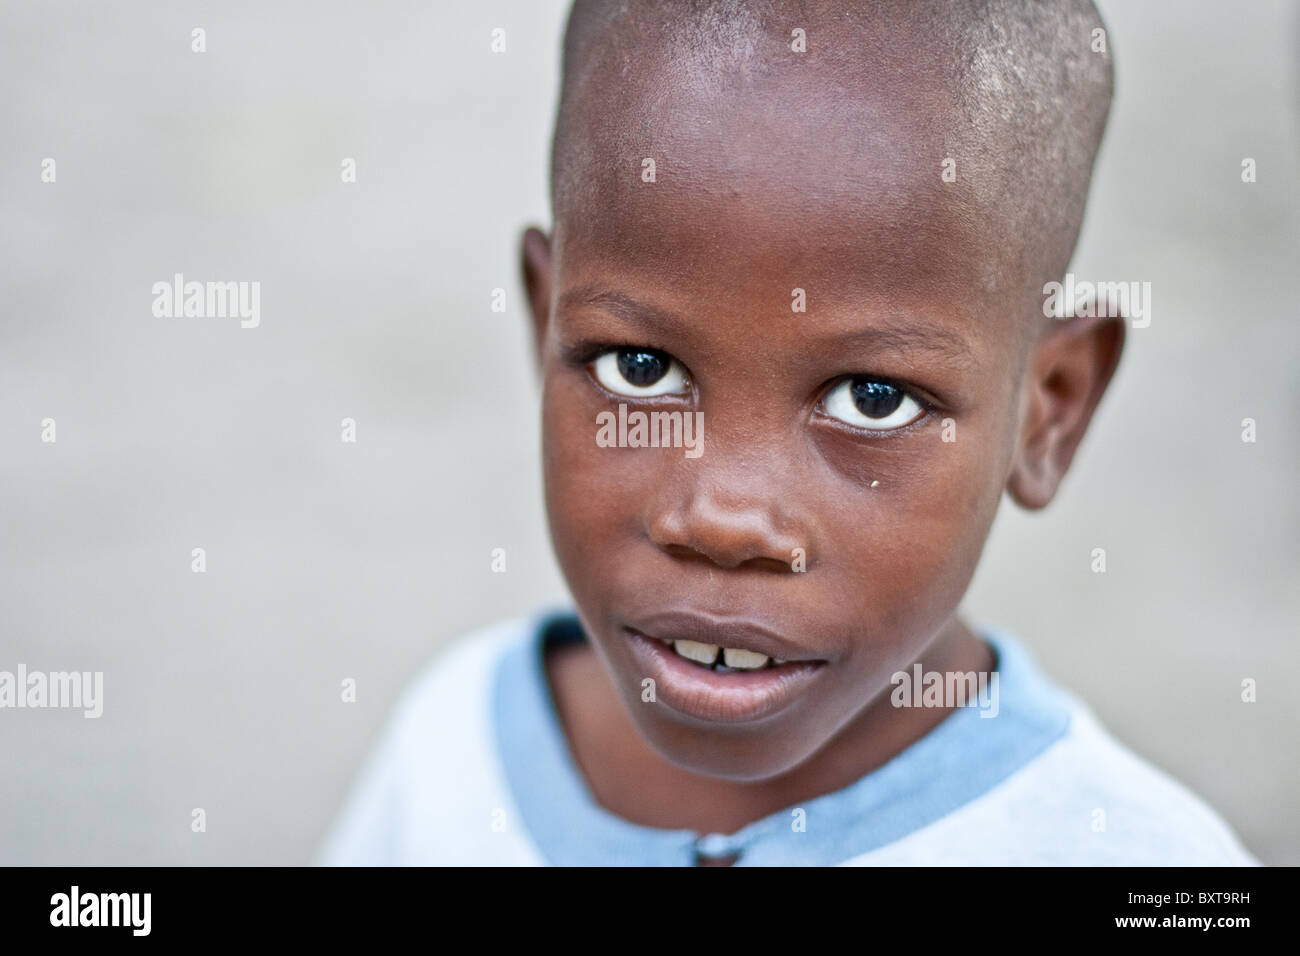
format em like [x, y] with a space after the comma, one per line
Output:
[866, 440]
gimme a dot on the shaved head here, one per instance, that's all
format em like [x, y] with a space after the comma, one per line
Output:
[1010, 95]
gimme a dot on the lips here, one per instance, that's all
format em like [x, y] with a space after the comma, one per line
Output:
[720, 670]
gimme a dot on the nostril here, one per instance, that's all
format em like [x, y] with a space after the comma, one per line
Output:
[683, 553]
[758, 563]
[767, 564]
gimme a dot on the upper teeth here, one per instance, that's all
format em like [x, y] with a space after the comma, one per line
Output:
[734, 657]
[695, 651]
[742, 659]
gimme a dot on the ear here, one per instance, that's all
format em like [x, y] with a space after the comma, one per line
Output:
[1067, 374]
[536, 256]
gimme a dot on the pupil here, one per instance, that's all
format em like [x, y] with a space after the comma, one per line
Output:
[641, 367]
[876, 399]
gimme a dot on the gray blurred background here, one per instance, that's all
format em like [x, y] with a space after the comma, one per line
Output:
[328, 560]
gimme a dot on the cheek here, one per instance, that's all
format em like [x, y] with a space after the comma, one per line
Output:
[594, 495]
[917, 537]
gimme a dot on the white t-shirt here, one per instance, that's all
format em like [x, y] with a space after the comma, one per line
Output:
[473, 768]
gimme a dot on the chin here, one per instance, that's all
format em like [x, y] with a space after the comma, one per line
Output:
[739, 754]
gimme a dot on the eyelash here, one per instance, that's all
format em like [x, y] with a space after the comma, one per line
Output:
[580, 355]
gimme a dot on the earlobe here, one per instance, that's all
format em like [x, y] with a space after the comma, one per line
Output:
[1067, 375]
[536, 261]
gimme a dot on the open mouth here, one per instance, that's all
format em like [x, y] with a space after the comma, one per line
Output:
[720, 683]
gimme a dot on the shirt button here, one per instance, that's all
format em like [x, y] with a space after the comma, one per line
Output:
[715, 849]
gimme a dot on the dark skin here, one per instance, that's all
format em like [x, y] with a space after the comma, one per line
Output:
[905, 282]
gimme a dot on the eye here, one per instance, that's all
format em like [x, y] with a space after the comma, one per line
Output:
[640, 372]
[872, 404]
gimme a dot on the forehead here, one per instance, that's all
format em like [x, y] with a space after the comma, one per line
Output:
[774, 178]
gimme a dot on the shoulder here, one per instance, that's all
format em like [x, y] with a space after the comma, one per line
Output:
[1085, 800]
[1137, 813]
[431, 787]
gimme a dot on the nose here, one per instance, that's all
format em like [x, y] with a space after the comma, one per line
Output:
[729, 519]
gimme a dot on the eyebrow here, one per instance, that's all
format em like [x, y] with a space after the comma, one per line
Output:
[903, 339]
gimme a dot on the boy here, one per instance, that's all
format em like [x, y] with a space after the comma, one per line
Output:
[793, 349]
